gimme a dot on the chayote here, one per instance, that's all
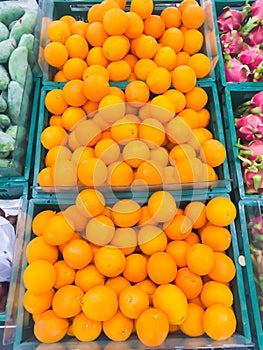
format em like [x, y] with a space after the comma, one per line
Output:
[4, 78]
[11, 13]
[18, 64]
[4, 121]
[7, 143]
[14, 100]
[25, 25]
[4, 32]
[3, 105]
[6, 48]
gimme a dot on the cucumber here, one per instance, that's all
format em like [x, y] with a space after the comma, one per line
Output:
[9, 14]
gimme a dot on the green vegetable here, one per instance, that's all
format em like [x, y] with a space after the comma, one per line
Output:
[9, 14]
[7, 143]
[3, 104]
[25, 25]
[4, 121]
[28, 40]
[4, 78]
[11, 25]
[14, 100]
[4, 154]
[4, 32]
[6, 48]
[12, 131]
[18, 64]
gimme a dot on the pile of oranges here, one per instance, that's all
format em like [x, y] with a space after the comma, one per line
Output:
[150, 269]
[153, 131]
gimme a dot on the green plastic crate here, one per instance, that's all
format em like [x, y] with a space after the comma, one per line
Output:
[23, 337]
[247, 210]
[9, 191]
[218, 6]
[233, 97]
[216, 126]
[54, 9]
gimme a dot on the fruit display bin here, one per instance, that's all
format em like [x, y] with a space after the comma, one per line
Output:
[217, 9]
[223, 184]
[24, 338]
[18, 169]
[235, 95]
[250, 232]
[17, 191]
[54, 9]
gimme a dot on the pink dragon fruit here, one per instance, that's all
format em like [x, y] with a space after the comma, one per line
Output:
[253, 177]
[257, 9]
[250, 127]
[255, 37]
[232, 42]
[229, 19]
[236, 71]
[254, 105]
[251, 56]
[258, 73]
[251, 152]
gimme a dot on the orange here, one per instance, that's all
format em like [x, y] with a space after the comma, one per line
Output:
[160, 155]
[201, 64]
[162, 206]
[200, 259]
[96, 69]
[115, 21]
[214, 292]
[125, 238]
[107, 150]
[173, 38]
[57, 153]
[100, 303]
[49, 328]
[68, 19]
[220, 211]
[182, 6]
[183, 78]
[85, 329]
[104, 226]
[66, 301]
[150, 172]
[166, 58]
[143, 8]
[152, 327]
[71, 116]
[55, 54]
[146, 46]
[37, 249]
[204, 117]
[55, 102]
[115, 47]
[111, 108]
[209, 173]
[131, 60]
[151, 239]
[216, 237]
[135, 25]
[136, 268]
[213, 152]
[90, 107]
[121, 3]
[96, 56]
[181, 151]
[45, 178]
[73, 93]
[82, 153]
[64, 274]
[79, 27]
[145, 217]
[76, 235]
[172, 301]
[162, 108]
[119, 70]
[88, 277]
[178, 251]
[77, 254]
[193, 16]
[219, 322]
[118, 328]
[224, 269]
[105, 6]
[178, 228]
[110, 261]
[31, 279]
[182, 58]
[95, 87]
[74, 68]
[193, 41]
[171, 17]
[96, 34]
[40, 220]
[120, 174]
[77, 46]
[93, 12]
[196, 99]
[158, 80]
[151, 131]
[133, 301]
[178, 98]
[87, 132]
[154, 26]
[161, 268]
[55, 120]
[196, 211]
[58, 31]
[189, 170]
[137, 92]
[147, 286]
[38, 303]
[143, 67]
[135, 152]
[190, 116]
[117, 283]
[64, 173]
[193, 324]
[58, 230]
[126, 213]
[189, 282]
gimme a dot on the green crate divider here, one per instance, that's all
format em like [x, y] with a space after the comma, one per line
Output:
[13, 175]
[235, 95]
[24, 339]
[249, 208]
[218, 6]
[216, 126]
[54, 9]
[8, 191]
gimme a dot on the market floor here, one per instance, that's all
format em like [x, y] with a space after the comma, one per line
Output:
[2, 347]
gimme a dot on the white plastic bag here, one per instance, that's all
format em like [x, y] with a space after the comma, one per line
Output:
[7, 239]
